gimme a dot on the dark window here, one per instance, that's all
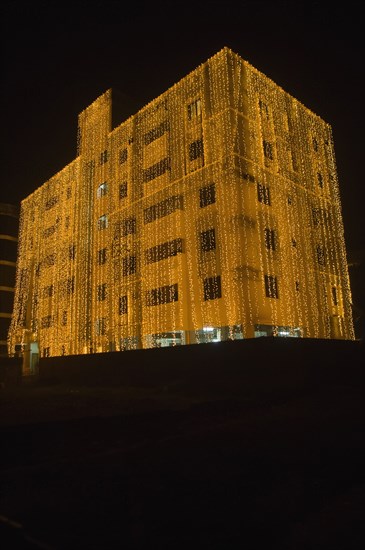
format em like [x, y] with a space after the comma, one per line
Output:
[64, 318]
[123, 156]
[123, 305]
[51, 203]
[195, 109]
[290, 200]
[72, 252]
[207, 195]
[268, 150]
[207, 240]
[70, 285]
[294, 243]
[320, 180]
[271, 286]
[156, 170]
[67, 222]
[123, 190]
[270, 238]
[68, 193]
[162, 295]
[163, 208]
[48, 291]
[101, 294]
[102, 256]
[49, 260]
[129, 265]
[321, 255]
[46, 352]
[49, 231]
[196, 149]
[263, 194]
[297, 286]
[104, 157]
[47, 321]
[212, 288]
[128, 226]
[103, 222]
[163, 251]
[315, 144]
[334, 296]
[316, 217]
[155, 133]
[264, 109]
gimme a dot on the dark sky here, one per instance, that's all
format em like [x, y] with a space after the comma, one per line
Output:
[58, 57]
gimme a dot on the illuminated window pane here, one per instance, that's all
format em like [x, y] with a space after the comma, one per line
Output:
[100, 327]
[102, 189]
[195, 110]
[103, 222]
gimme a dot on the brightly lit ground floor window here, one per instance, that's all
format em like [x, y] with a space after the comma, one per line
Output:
[270, 330]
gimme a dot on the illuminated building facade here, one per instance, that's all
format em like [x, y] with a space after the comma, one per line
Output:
[213, 213]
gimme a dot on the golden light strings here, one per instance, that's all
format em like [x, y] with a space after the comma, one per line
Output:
[212, 213]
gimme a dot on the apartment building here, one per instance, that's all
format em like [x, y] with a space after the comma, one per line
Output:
[213, 213]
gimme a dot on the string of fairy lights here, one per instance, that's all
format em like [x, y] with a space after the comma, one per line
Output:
[212, 213]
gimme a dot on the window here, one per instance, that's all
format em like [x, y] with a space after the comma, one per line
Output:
[163, 208]
[102, 190]
[271, 286]
[163, 251]
[212, 288]
[334, 296]
[128, 226]
[49, 231]
[129, 265]
[321, 255]
[47, 321]
[102, 256]
[102, 222]
[72, 252]
[268, 150]
[316, 217]
[320, 180]
[49, 260]
[294, 243]
[207, 240]
[64, 318]
[263, 194]
[196, 149]
[100, 326]
[51, 203]
[104, 157]
[69, 285]
[156, 170]
[207, 195]
[156, 132]
[46, 352]
[68, 193]
[123, 190]
[297, 286]
[264, 109]
[315, 144]
[67, 222]
[270, 238]
[123, 156]
[195, 109]
[48, 291]
[162, 295]
[123, 305]
[101, 292]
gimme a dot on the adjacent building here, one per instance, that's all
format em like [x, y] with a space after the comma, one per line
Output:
[9, 221]
[212, 213]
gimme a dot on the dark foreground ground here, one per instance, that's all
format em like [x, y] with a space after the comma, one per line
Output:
[176, 468]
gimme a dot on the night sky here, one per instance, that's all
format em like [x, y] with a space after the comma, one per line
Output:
[57, 58]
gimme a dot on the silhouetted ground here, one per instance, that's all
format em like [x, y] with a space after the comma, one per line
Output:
[175, 468]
